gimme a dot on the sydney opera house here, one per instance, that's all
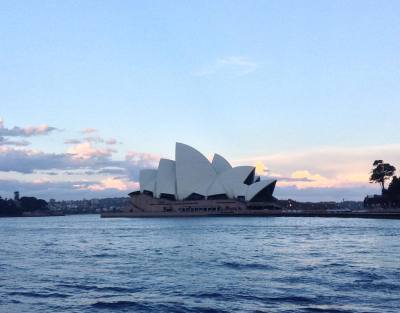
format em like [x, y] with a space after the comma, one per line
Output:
[192, 185]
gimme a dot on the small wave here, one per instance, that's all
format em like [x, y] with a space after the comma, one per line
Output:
[325, 310]
[255, 266]
[364, 277]
[293, 299]
[283, 299]
[100, 288]
[333, 264]
[212, 295]
[11, 301]
[104, 255]
[119, 305]
[49, 244]
[382, 286]
[38, 295]
[208, 310]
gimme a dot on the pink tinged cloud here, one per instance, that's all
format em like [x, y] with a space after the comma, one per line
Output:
[16, 143]
[141, 156]
[114, 183]
[111, 141]
[29, 131]
[89, 130]
[72, 141]
[86, 151]
[327, 167]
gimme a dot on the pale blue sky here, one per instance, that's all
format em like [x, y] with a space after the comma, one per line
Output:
[242, 78]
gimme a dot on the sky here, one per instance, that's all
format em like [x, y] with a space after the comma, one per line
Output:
[93, 91]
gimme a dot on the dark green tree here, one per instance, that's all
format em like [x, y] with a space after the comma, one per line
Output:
[381, 172]
[31, 204]
[8, 208]
[394, 188]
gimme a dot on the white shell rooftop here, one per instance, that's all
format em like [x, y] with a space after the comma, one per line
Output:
[192, 173]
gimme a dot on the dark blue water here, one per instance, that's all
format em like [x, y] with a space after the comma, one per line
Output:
[88, 264]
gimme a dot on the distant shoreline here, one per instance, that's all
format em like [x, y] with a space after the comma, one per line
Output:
[36, 214]
[376, 215]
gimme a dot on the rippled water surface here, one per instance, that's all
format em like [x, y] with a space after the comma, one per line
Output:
[88, 264]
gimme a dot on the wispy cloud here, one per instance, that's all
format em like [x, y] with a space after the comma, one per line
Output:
[28, 131]
[111, 141]
[92, 139]
[89, 130]
[326, 167]
[68, 189]
[19, 143]
[87, 151]
[81, 160]
[86, 167]
[313, 194]
[113, 183]
[231, 65]
[72, 141]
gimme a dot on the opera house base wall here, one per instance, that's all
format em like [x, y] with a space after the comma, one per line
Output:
[142, 205]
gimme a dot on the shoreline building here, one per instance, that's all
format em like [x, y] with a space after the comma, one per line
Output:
[191, 185]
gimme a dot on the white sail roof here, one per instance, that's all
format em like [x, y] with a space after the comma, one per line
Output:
[220, 164]
[147, 179]
[166, 178]
[234, 178]
[216, 188]
[194, 173]
[257, 187]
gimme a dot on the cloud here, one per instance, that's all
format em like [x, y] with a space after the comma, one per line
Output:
[89, 130]
[19, 143]
[82, 160]
[134, 161]
[87, 151]
[292, 179]
[113, 183]
[112, 171]
[86, 169]
[327, 166]
[111, 141]
[65, 190]
[232, 65]
[92, 139]
[30, 161]
[27, 161]
[356, 193]
[72, 141]
[141, 157]
[29, 131]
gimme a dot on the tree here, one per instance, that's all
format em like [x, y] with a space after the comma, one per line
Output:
[32, 204]
[8, 208]
[394, 188]
[381, 172]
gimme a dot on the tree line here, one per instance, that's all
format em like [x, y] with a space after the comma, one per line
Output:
[10, 207]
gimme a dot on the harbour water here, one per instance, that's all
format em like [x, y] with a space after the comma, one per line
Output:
[247, 264]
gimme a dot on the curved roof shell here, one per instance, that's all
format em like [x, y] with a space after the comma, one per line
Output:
[194, 173]
[147, 180]
[220, 164]
[234, 178]
[192, 176]
[258, 188]
[216, 188]
[165, 178]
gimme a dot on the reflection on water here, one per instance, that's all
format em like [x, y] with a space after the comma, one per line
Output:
[88, 264]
